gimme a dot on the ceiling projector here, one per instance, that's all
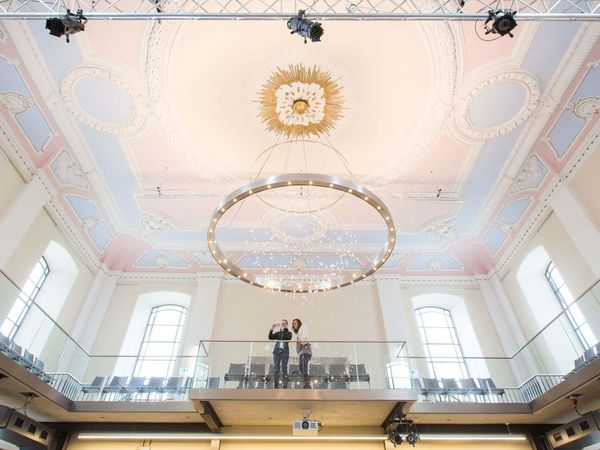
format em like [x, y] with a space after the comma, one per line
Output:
[305, 427]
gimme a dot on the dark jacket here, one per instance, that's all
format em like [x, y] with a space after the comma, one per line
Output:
[284, 335]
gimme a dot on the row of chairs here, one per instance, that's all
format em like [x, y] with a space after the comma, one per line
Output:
[24, 358]
[126, 386]
[449, 386]
[589, 355]
[317, 372]
[296, 384]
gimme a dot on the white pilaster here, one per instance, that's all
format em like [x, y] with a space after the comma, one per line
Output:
[400, 325]
[94, 309]
[507, 326]
[398, 315]
[582, 230]
[201, 315]
[19, 217]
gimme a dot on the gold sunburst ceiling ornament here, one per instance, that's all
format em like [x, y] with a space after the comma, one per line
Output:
[300, 102]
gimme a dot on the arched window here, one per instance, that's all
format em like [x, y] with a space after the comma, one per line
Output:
[444, 355]
[26, 297]
[565, 298]
[161, 340]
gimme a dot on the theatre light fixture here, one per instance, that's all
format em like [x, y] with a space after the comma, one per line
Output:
[306, 28]
[66, 25]
[502, 22]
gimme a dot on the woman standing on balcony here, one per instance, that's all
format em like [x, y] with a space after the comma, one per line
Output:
[304, 350]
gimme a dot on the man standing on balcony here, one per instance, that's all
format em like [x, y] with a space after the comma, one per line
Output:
[281, 351]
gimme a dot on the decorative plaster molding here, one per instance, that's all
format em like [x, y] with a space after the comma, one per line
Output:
[586, 107]
[447, 229]
[67, 171]
[571, 63]
[505, 227]
[463, 122]
[520, 243]
[67, 89]
[531, 176]
[88, 222]
[162, 261]
[150, 225]
[15, 103]
[159, 43]
[444, 54]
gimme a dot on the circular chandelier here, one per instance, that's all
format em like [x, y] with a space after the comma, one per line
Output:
[301, 249]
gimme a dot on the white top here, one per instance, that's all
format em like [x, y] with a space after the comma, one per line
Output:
[302, 335]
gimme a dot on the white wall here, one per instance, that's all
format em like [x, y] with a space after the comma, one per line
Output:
[554, 239]
[41, 234]
[586, 185]
[11, 183]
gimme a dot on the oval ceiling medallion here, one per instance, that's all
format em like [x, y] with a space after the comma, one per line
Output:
[497, 105]
[102, 100]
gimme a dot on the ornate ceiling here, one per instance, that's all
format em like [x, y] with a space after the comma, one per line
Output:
[141, 128]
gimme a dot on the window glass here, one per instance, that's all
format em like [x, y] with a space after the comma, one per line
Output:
[26, 297]
[444, 356]
[161, 340]
[572, 311]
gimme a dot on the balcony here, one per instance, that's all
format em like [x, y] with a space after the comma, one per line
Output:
[235, 378]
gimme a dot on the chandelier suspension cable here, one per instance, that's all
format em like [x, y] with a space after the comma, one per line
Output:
[287, 156]
[343, 160]
[264, 163]
[309, 209]
[256, 178]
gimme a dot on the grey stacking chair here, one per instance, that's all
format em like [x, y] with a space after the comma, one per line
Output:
[337, 372]
[317, 375]
[96, 386]
[4, 344]
[316, 370]
[154, 384]
[257, 372]
[15, 351]
[116, 385]
[415, 384]
[469, 385]
[358, 372]
[589, 355]
[490, 387]
[28, 360]
[451, 387]
[186, 385]
[579, 363]
[213, 383]
[432, 386]
[38, 369]
[136, 384]
[173, 385]
[236, 372]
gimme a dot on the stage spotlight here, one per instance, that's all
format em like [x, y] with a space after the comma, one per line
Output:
[412, 438]
[396, 438]
[503, 22]
[66, 25]
[305, 27]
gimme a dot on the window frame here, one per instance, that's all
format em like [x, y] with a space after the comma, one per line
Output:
[27, 299]
[564, 305]
[147, 340]
[439, 361]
